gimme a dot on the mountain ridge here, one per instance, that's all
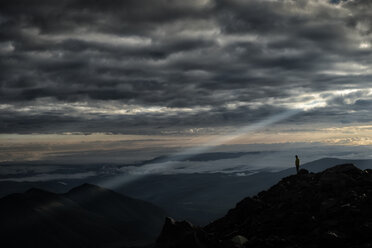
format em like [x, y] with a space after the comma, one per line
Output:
[325, 209]
[86, 216]
[184, 200]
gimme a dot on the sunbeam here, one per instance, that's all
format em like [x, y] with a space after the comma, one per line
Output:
[163, 165]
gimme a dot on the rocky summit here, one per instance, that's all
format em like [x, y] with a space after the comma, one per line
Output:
[332, 208]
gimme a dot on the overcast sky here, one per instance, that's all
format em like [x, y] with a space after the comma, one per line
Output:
[168, 73]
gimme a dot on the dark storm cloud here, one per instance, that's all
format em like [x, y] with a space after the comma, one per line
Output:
[225, 62]
[57, 121]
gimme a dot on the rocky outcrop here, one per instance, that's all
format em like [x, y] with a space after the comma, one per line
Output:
[183, 234]
[327, 209]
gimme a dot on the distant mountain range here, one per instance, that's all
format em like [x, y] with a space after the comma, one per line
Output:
[198, 197]
[93, 216]
[86, 216]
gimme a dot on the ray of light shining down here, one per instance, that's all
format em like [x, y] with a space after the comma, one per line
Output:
[162, 165]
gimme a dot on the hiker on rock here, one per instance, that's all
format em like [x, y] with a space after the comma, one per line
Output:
[297, 162]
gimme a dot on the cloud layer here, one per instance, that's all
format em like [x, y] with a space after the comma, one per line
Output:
[145, 67]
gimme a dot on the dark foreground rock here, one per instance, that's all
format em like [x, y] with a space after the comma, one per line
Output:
[332, 208]
[183, 234]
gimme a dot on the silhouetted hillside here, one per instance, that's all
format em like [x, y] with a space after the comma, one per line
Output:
[86, 216]
[326, 209]
[208, 197]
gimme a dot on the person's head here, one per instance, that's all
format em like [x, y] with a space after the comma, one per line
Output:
[296, 156]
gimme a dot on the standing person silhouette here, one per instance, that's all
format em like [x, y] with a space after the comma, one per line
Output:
[297, 162]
